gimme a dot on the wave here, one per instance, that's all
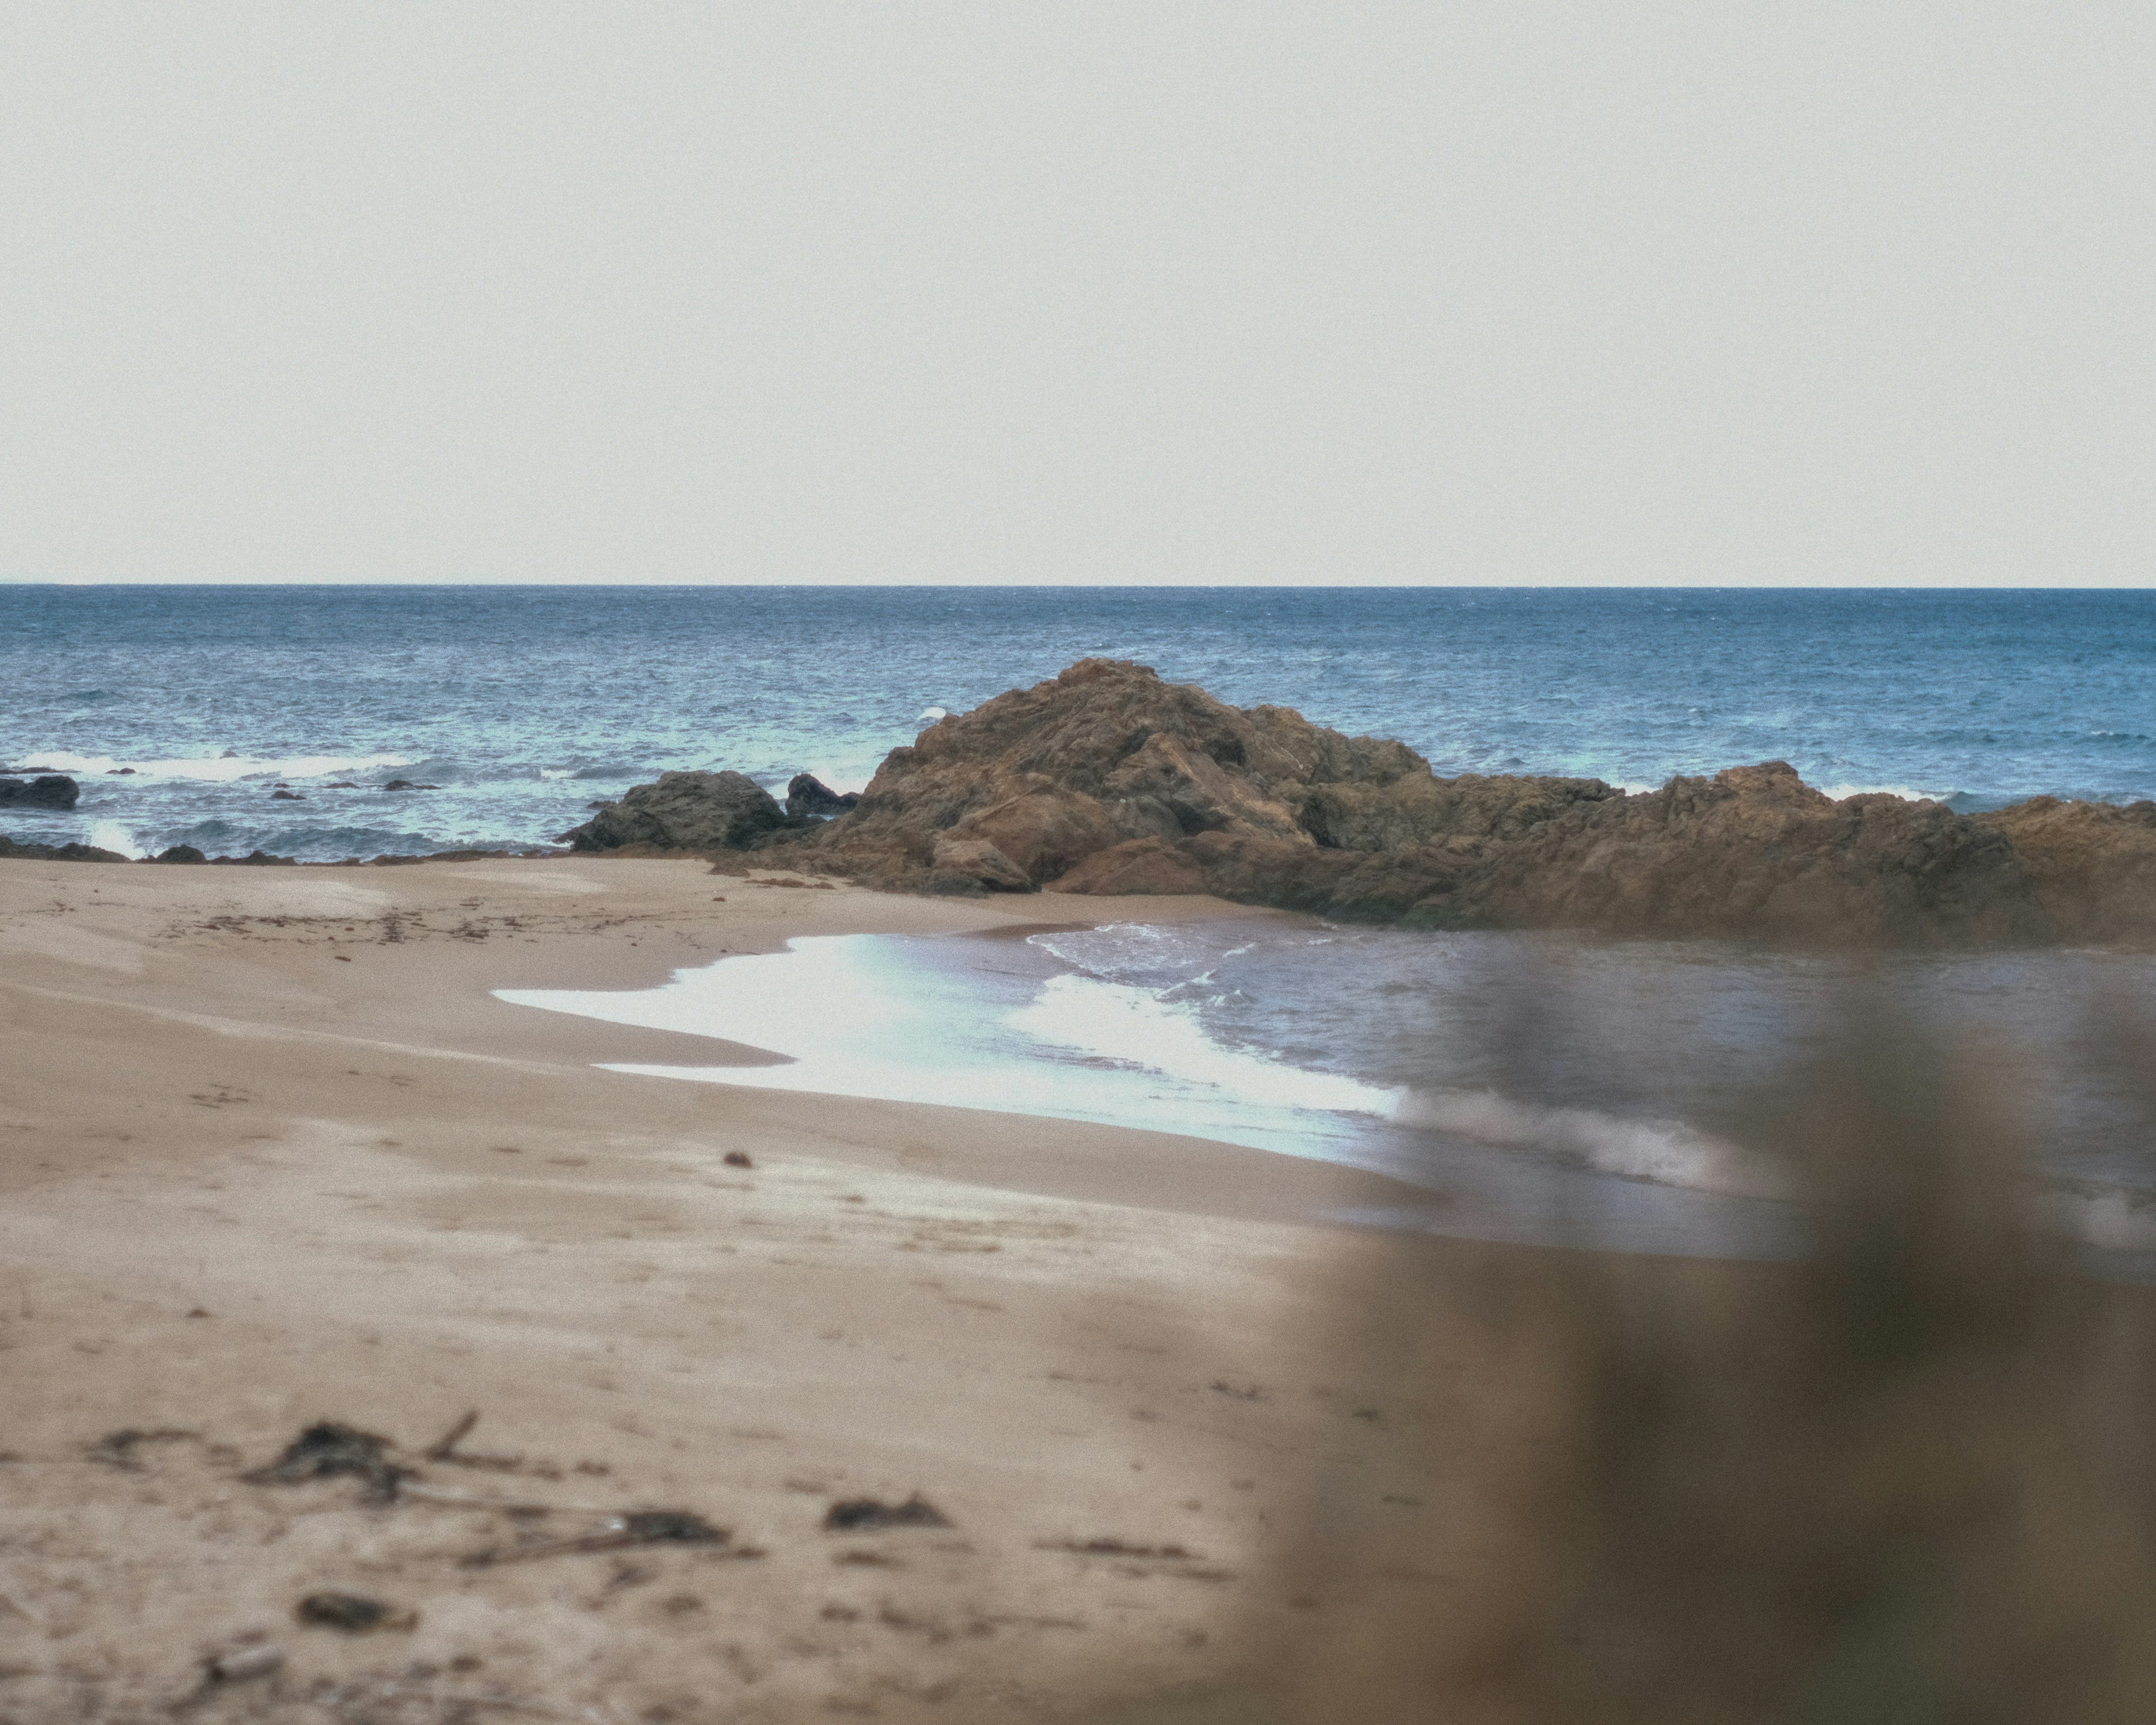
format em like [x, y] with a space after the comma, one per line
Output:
[212, 769]
[111, 836]
[1117, 1025]
[1664, 1153]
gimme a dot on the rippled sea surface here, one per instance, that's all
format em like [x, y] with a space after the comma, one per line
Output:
[525, 704]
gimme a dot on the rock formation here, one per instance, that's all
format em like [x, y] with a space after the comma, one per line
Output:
[73, 851]
[806, 794]
[1107, 780]
[2092, 866]
[48, 790]
[684, 811]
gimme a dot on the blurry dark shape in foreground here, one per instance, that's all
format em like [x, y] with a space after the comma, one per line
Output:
[1908, 1478]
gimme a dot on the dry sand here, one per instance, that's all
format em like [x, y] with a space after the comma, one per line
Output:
[272, 1155]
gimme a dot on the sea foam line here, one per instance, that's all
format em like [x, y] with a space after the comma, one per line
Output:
[212, 769]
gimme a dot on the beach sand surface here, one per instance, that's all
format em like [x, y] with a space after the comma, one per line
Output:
[271, 1156]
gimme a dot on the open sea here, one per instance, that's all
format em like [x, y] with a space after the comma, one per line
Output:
[183, 710]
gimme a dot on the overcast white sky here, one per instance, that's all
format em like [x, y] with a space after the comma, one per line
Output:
[1518, 292]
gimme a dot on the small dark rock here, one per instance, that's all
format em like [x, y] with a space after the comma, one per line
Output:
[855, 1515]
[806, 794]
[406, 784]
[181, 853]
[738, 1158]
[120, 773]
[684, 811]
[281, 796]
[49, 790]
[653, 1527]
[355, 1613]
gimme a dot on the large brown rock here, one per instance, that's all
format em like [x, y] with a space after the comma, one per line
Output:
[1107, 781]
[1755, 851]
[2092, 866]
[684, 811]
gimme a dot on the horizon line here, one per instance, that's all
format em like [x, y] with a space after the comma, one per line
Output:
[409, 585]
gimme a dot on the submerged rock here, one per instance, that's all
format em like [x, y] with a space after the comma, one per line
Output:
[684, 811]
[48, 790]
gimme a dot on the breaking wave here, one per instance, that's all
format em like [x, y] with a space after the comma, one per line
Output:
[1666, 1152]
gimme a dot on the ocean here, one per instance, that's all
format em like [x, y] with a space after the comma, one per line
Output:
[1543, 1087]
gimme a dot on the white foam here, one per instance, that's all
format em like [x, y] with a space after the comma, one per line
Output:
[214, 769]
[860, 1016]
[1134, 1027]
[2111, 1220]
[1908, 793]
[932, 715]
[1666, 1151]
[111, 836]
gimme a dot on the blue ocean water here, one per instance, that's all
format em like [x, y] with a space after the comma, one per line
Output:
[525, 704]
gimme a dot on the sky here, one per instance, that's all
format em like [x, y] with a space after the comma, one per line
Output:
[859, 291]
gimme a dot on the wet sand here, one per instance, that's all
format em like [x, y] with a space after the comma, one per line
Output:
[272, 1155]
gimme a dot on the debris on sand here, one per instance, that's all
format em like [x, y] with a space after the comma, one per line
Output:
[855, 1515]
[444, 1449]
[116, 1449]
[325, 1450]
[738, 1158]
[355, 1613]
[258, 1659]
[1114, 1548]
[643, 1527]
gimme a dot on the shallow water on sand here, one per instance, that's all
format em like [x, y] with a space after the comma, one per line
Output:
[1540, 1087]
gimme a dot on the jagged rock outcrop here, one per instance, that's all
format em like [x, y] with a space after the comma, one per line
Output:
[808, 796]
[1107, 774]
[48, 790]
[684, 811]
[1107, 781]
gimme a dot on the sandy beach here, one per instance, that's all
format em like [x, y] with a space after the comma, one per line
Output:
[273, 1156]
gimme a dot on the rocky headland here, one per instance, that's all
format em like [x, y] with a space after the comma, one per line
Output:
[1108, 780]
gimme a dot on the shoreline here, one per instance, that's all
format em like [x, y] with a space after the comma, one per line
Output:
[271, 1156]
